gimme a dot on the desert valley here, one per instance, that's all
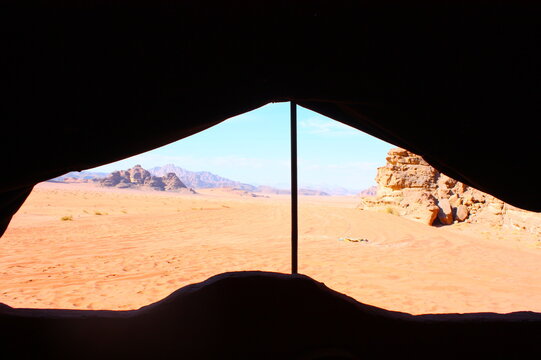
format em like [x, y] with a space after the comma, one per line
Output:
[83, 245]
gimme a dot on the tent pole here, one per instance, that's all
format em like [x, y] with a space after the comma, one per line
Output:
[294, 192]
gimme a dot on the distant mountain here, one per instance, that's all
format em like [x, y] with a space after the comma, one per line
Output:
[330, 189]
[207, 180]
[79, 176]
[200, 179]
[308, 188]
[312, 192]
[197, 180]
[275, 191]
[263, 189]
[371, 191]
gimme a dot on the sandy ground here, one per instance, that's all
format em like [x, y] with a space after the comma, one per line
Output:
[123, 249]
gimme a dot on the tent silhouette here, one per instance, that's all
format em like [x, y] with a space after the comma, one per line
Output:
[88, 83]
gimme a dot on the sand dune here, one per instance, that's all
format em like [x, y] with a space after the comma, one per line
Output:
[123, 249]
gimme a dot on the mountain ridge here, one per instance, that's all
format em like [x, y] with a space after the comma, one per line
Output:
[199, 179]
[208, 180]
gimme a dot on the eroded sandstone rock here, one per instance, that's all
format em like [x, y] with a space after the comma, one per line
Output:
[137, 177]
[445, 212]
[172, 182]
[408, 186]
[461, 213]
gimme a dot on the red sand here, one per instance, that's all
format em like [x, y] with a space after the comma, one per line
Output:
[127, 248]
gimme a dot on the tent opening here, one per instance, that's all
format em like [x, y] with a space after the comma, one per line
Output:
[372, 221]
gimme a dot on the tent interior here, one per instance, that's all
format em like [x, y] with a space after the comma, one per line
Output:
[455, 82]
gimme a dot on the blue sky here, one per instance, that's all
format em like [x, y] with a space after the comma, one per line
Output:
[254, 148]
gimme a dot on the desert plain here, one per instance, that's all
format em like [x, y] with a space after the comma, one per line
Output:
[82, 246]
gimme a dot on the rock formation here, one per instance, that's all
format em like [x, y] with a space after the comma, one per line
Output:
[406, 187]
[172, 182]
[410, 187]
[137, 177]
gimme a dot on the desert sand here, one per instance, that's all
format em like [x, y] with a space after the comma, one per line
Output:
[81, 246]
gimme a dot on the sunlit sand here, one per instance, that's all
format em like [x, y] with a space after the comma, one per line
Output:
[80, 246]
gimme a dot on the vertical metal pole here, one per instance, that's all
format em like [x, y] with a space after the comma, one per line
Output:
[294, 192]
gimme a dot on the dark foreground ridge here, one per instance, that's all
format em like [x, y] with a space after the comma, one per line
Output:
[262, 315]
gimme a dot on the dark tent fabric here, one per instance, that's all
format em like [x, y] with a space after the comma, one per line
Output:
[268, 316]
[87, 83]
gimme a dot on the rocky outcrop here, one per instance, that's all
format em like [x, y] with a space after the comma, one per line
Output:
[137, 177]
[408, 186]
[445, 212]
[172, 182]
[405, 187]
[113, 179]
[155, 183]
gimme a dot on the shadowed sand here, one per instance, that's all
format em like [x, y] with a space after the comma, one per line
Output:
[123, 249]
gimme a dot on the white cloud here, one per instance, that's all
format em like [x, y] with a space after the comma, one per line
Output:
[319, 126]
